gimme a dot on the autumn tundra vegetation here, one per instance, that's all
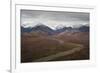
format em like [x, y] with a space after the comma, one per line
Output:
[42, 44]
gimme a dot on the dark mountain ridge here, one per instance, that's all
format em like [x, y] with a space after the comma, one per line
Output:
[43, 28]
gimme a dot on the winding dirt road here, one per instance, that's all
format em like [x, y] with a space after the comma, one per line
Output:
[51, 57]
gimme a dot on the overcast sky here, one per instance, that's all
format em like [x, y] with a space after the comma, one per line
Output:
[53, 19]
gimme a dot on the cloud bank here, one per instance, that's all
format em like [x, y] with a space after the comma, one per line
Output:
[30, 18]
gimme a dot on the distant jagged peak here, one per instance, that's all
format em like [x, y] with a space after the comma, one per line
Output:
[26, 26]
[61, 26]
[40, 25]
[84, 26]
[64, 27]
[80, 25]
[35, 25]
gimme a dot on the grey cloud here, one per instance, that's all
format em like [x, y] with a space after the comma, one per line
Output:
[73, 18]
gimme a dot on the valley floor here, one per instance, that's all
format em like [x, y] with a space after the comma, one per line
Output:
[66, 46]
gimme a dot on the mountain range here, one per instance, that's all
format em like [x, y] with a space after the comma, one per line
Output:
[43, 28]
